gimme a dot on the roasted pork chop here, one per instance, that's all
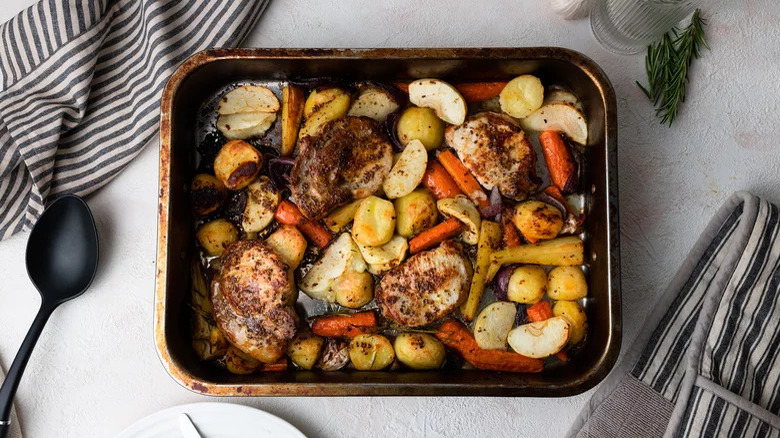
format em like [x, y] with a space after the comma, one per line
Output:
[495, 149]
[252, 298]
[426, 287]
[348, 159]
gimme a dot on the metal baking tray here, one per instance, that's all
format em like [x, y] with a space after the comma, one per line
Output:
[199, 79]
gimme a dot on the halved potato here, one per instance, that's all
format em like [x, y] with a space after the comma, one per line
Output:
[444, 99]
[319, 98]
[373, 102]
[340, 217]
[241, 126]
[248, 99]
[385, 257]
[341, 255]
[540, 339]
[292, 114]
[493, 324]
[522, 96]
[262, 199]
[460, 207]
[408, 172]
[371, 352]
[289, 244]
[216, 235]
[374, 221]
[237, 164]
[305, 350]
[561, 117]
[324, 113]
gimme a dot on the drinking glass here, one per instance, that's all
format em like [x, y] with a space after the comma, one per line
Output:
[628, 26]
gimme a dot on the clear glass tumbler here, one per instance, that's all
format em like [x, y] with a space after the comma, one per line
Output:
[628, 26]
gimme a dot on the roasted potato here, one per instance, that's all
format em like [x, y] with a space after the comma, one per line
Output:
[384, 257]
[289, 244]
[216, 235]
[493, 324]
[208, 341]
[419, 351]
[540, 339]
[371, 352]
[241, 126]
[461, 208]
[262, 199]
[527, 284]
[335, 355]
[373, 102]
[237, 164]
[567, 283]
[558, 116]
[354, 289]
[305, 350]
[322, 107]
[407, 172]
[417, 123]
[537, 220]
[339, 256]
[522, 96]
[340, 217]
[415, 212]
[238, 362]
[292, 114]
[374, 222]
[444, 99]
[207, 194]
[575, 316]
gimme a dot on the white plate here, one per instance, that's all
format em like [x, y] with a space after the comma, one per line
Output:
[213, 420]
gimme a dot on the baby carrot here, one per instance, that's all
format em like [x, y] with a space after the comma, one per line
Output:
[288, 213]
[344, 326]
[463, 178]
[436, 235]
[480, 91]
[560, 163]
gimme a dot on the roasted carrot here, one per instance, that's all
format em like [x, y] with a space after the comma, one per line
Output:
[439, 182]
[280, 365]
[458, 337]
[345, 326]
[511, 238]
[436, 235]
[480, 91]
[563, 170]
[289, 214]
[540, 311]
[463, 178]
[555, 192]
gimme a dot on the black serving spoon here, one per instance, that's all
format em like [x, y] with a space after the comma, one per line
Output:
[62, 257]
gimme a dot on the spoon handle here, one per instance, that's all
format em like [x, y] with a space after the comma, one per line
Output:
[8, 390]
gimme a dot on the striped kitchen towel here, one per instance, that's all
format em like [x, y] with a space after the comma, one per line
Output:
[707, 362]
[80, 87]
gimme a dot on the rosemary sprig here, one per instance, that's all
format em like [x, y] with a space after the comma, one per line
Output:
[668, 62]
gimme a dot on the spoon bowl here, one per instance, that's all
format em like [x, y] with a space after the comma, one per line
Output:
[62, 258]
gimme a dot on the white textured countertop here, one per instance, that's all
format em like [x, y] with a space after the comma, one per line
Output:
[95, 369]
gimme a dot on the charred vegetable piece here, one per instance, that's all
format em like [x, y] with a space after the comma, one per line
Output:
[216, 235]
[238, 362]
[237, 164]
[419, 351]
[458, 337]
[207, 339]
[564, 251]
[489, 241]
[207, 194]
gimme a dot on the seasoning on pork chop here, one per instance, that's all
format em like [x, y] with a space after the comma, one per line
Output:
[252, 298]
[425, 288]
[496, 151]
[348, 159]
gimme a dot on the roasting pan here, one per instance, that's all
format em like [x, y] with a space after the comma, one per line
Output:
[199, 79]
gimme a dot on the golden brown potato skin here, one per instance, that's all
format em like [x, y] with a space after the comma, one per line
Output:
[237, 164]
[419, 351]
[207, 193]
[537, 221]
[426, 287]
[348, 159]
[252, 298]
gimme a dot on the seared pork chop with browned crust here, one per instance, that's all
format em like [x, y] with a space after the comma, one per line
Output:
[495, 149]
[425, 288]
[252, 297]
[348, 159]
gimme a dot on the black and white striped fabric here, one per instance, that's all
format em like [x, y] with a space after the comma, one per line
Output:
[707, 364]
[80, 87]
